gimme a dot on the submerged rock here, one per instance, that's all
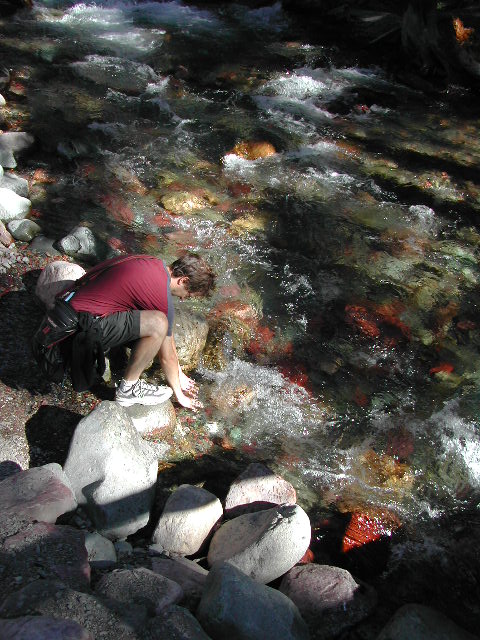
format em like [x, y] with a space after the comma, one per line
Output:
[116, 73]
[253, 150]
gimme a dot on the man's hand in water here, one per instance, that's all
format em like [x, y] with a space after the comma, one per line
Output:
[187, 385]
[189, 402]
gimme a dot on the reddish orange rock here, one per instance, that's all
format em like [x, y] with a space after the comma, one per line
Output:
[253, 150]
[307, 558]
[362, 319]
[368, 526]
[444, 367]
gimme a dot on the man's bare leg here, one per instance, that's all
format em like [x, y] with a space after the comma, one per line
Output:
[153, 330]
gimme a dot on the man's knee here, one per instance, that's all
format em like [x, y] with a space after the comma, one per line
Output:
[153, 324]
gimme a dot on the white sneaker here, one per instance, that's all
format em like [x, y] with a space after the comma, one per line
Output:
[142, 393]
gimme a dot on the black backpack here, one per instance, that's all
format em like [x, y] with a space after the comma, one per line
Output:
[50, 344]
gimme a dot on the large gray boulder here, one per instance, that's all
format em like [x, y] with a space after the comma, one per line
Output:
[81, 244]
[187, 573]
[190, 331]
[115, 73]
[147, 418]
[44, 550]
[42, 628]
[329, 598]
[256, 489]
[236, 607]
[187, 520]
[418, 622]
[13, 206]
[101, 551]
[264, 545]
[34, 494]
[24, 230]
[54, 278]
[175, 623]
[112, 470]
[14, 183]
[102, 617]
[140, 586]
[13, 143]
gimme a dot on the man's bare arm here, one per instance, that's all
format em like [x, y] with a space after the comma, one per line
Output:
[169, 362]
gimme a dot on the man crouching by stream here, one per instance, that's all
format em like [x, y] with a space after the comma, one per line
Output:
[128, 300]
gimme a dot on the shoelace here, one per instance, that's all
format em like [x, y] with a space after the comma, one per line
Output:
[142, 387]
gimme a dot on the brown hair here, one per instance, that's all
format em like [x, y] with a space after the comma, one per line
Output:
[201, 278]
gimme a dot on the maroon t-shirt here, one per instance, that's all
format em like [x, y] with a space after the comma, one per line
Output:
[133, 282]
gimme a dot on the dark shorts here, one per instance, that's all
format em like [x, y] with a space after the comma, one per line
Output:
[119, 328]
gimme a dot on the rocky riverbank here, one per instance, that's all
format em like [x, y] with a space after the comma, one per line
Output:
[95, 542]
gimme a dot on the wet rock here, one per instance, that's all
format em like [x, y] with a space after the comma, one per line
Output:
[190, 332]
[81, 244]
[417, 621]
[328, 598]
[116, 73]
[183, 202]
[257, 488]
[42, 628]
[42, 244]
[47, 551]
[368, 525]
[56, 277]
[175, 623]
[15, 183]
[264, 545]
[140, 586]
[253, 150]
[152, 418]
[235, 606]
[187, 520]
[188, 574]
[3, 102]
[13, 143]
[101, 552]
[6, 237]
[113, 471]
[101, 617]
[24, 230]
[34, 494]
[13, 206]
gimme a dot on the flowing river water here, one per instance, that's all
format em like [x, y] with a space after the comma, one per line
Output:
[355, 244]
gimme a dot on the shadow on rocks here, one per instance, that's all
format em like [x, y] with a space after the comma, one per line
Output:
[20, 318]
[49, 433]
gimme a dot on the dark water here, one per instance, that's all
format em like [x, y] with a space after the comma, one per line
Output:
[357, 242]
